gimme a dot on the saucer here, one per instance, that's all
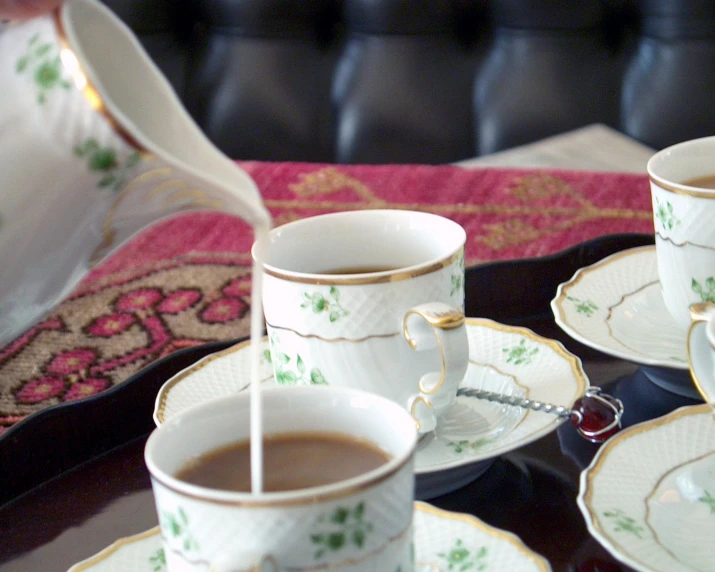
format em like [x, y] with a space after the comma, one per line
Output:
[443, 541]
[472, 433]
[616, 306]
[649, 494]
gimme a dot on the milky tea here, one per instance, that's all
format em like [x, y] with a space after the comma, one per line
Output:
[291, 461]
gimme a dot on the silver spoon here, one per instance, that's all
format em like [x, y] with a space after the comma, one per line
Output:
[595, 415]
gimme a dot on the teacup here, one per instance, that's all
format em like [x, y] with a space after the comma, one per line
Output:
[371, 300]
[683, 214]
[363, 523]
[701, 349]
[94, 146]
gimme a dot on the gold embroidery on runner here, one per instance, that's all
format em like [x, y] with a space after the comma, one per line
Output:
[312, 190]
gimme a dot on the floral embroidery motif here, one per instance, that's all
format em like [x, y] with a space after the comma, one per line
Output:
[665, 215]
[585, 307]
[343, 527]
[460, 558]
[709, 500]
[158, 561]
[706, 292]
[104, 160]
[149, 323]
[320, 303]
[466, 445]
[177, 526]
[285, 373]
[624, 523]
[520, 355]
[75, 366]
[43, 64]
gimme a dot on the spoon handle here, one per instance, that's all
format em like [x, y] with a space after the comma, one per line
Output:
[558, 410]
[596, 416]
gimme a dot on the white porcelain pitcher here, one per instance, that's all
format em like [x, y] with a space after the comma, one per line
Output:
[94, 147]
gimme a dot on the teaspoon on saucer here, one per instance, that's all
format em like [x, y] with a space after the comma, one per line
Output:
[596, 415]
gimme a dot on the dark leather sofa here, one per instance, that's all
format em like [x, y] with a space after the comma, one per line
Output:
[430, 81]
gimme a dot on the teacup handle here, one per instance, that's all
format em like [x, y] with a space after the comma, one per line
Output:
[425, 327]
[701, 368]
[702, 312]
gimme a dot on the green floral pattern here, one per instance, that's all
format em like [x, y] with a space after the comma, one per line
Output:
[585, 307]
[105, 162]
[460, 558]
[342, 527]
[665, 215]
[291, 371]
[520, 354]
[466, 445]
[457, 277]
[624, 523]
[709, 500]
[42, 64]
[706, 291]
[177, 526]
[331, 305]
[157, 561]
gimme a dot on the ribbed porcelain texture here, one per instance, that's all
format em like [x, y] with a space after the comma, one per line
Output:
[648, 494]
[440, 539]
[685, 248]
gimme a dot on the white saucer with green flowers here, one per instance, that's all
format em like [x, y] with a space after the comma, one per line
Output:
[649, 494]
[616, 306]
[443, 541]
[506, 359]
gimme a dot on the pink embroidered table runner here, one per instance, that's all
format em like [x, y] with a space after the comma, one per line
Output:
[186, 281]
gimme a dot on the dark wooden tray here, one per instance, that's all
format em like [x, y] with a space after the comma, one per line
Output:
[72, 477]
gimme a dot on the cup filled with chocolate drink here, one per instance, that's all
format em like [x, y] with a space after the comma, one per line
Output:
[372, 300]
[337, 474]
[682, 181]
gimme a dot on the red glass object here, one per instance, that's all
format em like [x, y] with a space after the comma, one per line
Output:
[596, 415]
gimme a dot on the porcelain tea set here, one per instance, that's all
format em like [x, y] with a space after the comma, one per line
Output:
[89, 159]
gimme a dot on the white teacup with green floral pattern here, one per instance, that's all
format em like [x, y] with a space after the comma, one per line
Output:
[364, 523]
[372, 300]
[94, 146]
[684, 230]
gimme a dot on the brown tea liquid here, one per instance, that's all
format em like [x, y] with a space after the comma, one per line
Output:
[706, 182]
[291, 461]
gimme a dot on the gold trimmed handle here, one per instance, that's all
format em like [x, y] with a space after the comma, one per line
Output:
[702, 312]
[431, 326]
[700, 346]
[414, 410]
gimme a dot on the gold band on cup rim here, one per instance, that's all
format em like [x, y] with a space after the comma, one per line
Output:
[367, 278]
[680, 189]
